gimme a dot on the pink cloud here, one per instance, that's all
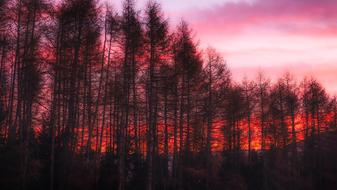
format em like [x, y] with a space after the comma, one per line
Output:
[294, 16]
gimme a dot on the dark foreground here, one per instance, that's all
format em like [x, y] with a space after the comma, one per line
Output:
[313, 167]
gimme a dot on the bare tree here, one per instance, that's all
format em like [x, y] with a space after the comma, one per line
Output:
[262, 94]
[156, 38]
[249, 88]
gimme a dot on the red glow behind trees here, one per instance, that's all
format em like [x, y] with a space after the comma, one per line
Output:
[130, 98]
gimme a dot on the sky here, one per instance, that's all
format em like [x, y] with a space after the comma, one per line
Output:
[272, 36]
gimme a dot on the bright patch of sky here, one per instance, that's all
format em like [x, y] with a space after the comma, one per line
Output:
[182, 5]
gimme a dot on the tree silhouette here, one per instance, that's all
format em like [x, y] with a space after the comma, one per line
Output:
[97, 98]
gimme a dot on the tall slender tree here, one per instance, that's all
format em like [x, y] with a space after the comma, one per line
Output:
[156, 47]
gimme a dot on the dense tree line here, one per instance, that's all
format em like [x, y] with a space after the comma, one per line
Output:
[94, 98]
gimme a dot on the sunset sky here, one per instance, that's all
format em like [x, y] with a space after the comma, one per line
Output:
[273, 36]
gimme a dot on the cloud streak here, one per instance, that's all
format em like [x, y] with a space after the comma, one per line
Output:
[298, 17]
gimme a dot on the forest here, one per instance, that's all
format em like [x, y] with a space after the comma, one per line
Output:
[93, 98]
